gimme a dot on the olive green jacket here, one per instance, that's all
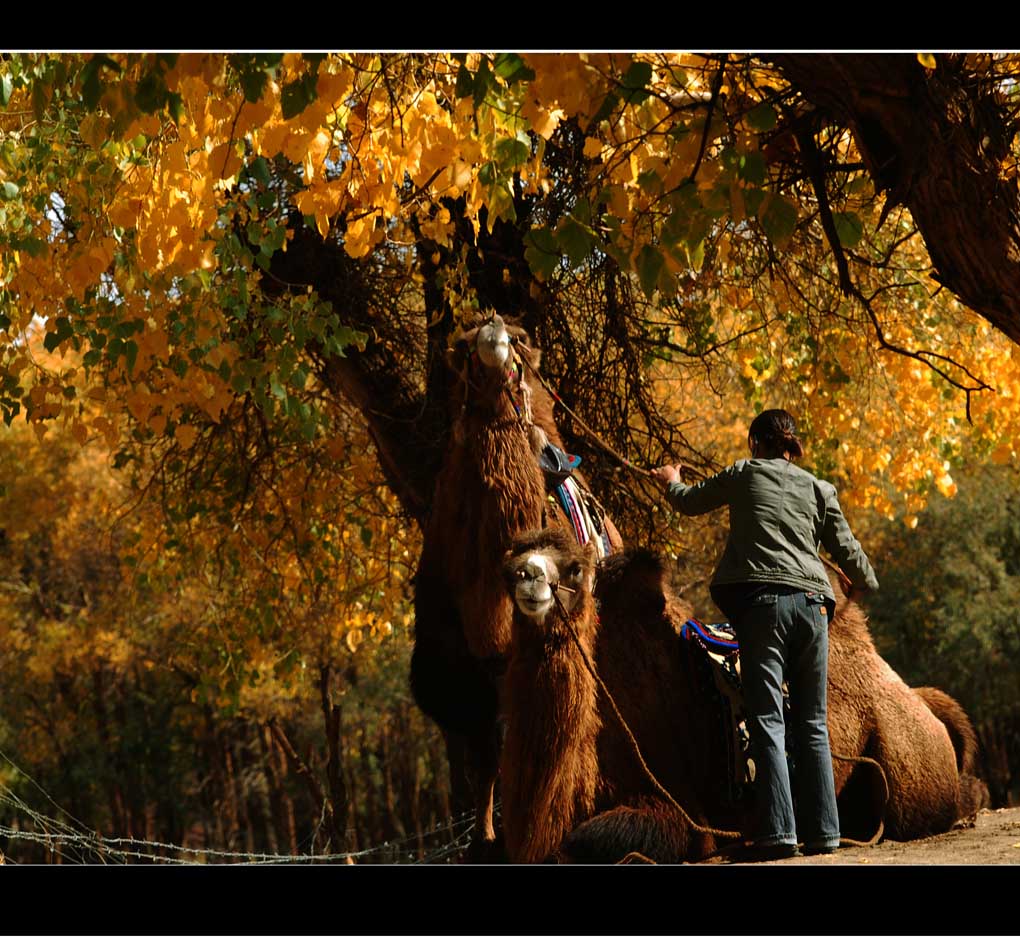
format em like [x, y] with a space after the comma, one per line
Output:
[779, 514]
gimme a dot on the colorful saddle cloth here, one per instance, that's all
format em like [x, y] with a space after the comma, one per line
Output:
[585, 513]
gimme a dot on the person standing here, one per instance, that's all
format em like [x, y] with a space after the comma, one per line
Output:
[772, 586]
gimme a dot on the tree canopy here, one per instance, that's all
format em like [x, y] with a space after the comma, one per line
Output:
[209, 240]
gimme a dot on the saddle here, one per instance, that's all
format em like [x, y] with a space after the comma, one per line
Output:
[587, 516]
[716, 666]
[716, 659]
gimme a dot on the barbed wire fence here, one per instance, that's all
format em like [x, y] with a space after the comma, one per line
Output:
[69, 840]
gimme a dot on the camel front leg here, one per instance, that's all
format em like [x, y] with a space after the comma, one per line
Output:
[483, 767]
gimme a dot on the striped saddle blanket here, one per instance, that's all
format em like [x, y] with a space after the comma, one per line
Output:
[580, 506]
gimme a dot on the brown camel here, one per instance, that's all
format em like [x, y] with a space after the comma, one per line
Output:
[489, 489]
[573, 786]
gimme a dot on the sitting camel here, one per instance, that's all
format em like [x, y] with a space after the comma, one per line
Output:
[490, 488]
[574, 785]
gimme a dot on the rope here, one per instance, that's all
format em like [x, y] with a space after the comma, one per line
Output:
[885, 801]
[715, 832]
[623, 460]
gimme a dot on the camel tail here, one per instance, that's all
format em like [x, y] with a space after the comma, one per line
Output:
[956, 721]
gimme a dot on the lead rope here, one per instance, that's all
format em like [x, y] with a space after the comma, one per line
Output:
[635, 856]
[885, 801]
[715, 832]
[647, 473]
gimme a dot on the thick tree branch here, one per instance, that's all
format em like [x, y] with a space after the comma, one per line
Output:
[934, 143]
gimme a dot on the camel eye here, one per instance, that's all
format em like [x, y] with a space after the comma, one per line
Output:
[521, 574]
[575, 571]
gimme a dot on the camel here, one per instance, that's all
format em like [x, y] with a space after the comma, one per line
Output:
[574, 788]
[490, 488]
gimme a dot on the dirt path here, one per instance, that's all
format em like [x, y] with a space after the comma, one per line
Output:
[994, 839]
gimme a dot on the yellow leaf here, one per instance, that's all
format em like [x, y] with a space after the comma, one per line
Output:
[926, 59]
[185, 435]
[322, 223]
[224, 160]
[592, 147]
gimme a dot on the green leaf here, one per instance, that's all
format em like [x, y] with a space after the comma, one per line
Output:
[260, 170]
[751, 168]
[151, 92]
[8, 190]
[253, 82]
[465, 82]
[510, 67]
[92, 86]
[849, 228]
[6, 88]
[483, 81]
[649, 265]
[297, 95]
[649, 182]
[63, 331]
[762, 118]
[778, 218]
[513, 152]
[634, 82]
[541, 252]
[575, 240]
[605, 109]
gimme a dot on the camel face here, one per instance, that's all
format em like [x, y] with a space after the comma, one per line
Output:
[493, 344]
[539, 578]
[536, 577]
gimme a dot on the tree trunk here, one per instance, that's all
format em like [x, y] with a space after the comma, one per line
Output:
[934, 141]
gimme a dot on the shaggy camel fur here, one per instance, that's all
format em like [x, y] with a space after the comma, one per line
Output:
[490, 488]
[583, 795]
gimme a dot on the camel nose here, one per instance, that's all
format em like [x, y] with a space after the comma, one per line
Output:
[538, 580]
[493, 345]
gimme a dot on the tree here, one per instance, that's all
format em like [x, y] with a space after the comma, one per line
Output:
[946, 614]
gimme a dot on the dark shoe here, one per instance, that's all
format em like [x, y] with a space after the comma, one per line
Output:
[811, 850]
[763, 853]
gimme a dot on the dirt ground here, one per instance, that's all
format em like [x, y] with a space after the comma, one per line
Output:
[992, 840]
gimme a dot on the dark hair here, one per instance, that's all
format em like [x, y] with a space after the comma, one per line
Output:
[776, 432]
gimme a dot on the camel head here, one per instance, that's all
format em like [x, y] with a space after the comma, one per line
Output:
[491, 362]
[546, 565]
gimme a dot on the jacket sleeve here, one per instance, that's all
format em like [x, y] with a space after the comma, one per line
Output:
[705, 496]
[845, 549]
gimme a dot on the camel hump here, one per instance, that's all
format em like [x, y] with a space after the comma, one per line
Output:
[634, 580]
[961, 732]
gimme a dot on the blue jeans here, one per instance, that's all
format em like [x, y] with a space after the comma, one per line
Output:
[784, 634]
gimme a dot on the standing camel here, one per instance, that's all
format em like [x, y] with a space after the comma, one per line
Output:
[489, 489]
[573, 786]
